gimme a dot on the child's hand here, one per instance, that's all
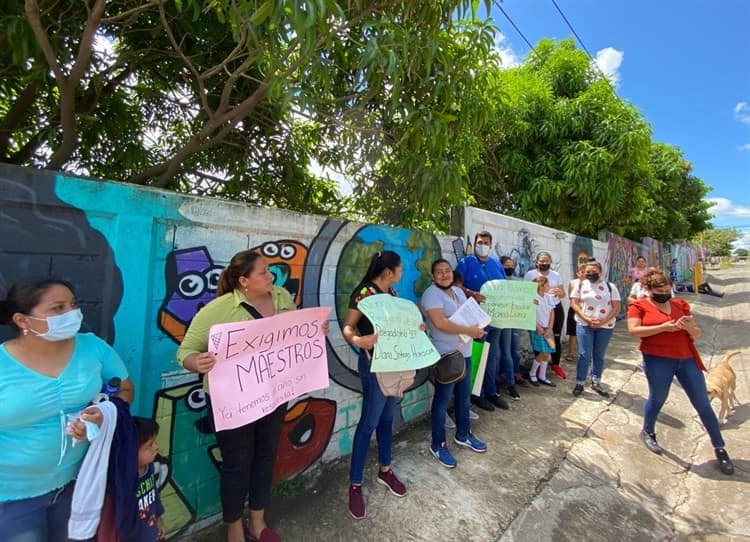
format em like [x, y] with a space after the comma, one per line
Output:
[326, 327]
[422, 327]
[548, 333]
[159, 529]
[539, 330]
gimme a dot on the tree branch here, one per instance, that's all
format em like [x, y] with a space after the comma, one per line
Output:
[35, 22]
[186, 61]
[15, 114]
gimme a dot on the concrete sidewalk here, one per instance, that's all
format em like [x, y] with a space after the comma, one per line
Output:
[560, 468]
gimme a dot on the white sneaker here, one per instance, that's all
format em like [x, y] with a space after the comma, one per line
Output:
[449, 423]
[473, 415]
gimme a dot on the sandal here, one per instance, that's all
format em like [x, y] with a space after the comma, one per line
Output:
[267, 535]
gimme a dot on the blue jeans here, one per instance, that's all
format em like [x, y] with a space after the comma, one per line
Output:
[489, 384]
[37, 519]
[377, 416]
[510, 355]
[592, 343]
[515, 350]
[440, 400]
[659, 373]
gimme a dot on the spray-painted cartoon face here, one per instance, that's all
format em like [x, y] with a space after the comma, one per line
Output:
[191, 279]
[286, 261]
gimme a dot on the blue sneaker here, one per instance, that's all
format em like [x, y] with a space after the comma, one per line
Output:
[443, 455]
[472, 442]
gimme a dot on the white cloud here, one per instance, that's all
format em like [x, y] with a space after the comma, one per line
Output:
[743, 148]
[726, 207]
[508, 56]
[609, 61]
[742, 112]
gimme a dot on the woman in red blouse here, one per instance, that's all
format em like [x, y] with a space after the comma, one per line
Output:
[667, 330]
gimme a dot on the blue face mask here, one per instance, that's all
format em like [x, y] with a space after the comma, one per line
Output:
[61, 327]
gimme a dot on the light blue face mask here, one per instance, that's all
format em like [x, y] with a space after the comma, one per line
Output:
[61, 327]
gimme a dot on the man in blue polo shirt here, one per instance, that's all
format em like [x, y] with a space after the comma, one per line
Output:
[477, 269]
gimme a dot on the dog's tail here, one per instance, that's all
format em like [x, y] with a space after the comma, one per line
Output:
[730, 356]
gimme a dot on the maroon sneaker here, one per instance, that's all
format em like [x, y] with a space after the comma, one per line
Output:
[389, 480]
[356, 502]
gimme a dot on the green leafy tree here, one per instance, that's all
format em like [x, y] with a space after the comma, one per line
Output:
[563, 150]
[235, 99]
[717, 242]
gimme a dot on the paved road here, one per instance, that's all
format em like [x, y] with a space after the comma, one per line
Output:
[561, 469]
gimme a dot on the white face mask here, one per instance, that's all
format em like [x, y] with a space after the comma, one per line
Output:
[482, 251]
[61, 327]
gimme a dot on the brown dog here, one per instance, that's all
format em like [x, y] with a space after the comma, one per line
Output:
[721, 382]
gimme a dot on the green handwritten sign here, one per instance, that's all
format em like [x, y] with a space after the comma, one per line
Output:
[510, 303]
[401, 345]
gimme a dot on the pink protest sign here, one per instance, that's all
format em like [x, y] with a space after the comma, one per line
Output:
[264, 363]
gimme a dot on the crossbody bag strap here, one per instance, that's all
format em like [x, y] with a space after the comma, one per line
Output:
[252, 310]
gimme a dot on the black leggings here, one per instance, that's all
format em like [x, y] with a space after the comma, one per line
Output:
[557, 330]
[248, 454]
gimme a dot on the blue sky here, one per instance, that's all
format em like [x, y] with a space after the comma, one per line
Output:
[685, 65]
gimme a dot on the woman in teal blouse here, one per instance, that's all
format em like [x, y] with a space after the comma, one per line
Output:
[49, 374]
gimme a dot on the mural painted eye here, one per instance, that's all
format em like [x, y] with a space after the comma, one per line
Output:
[270, 249]
[288, 252]
[212, 278]
[191, 285]
[303, 431]
[196, 399]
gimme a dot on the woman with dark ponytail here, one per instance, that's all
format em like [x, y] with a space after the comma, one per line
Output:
[245, 292]
[377, 410]
[49, 374]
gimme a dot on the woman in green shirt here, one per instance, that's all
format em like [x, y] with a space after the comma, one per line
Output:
[245, 292]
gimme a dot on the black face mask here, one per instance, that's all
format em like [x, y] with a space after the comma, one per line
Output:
[592, 277]
[661, 298]
[509, 271]
[543, 266]
[444, 287]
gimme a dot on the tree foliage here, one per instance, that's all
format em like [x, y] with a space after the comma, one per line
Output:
[408, 100]
[565, 151]
[234, 98]
[717, 242]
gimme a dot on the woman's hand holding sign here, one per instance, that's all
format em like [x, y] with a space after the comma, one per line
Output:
[200, 363]
[366, 341]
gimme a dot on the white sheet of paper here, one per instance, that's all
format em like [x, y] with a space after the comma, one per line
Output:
[470, 314]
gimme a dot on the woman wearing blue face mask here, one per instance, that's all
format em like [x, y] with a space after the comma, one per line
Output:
[49, 374]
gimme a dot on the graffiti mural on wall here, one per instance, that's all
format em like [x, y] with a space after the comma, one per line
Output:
[523, 251]
[621, 256]
[64, 246]
[191, 278]
[686, 257]
[582, 250]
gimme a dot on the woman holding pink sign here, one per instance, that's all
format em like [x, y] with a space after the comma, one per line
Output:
[245, 292]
